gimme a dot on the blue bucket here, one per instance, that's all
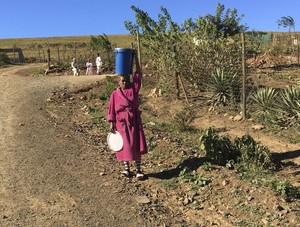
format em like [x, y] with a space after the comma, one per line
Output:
[124, 60]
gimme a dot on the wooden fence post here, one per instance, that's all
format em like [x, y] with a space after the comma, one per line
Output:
[64, 53]
[44, 55]
[244, 77]
[39, 53]
[177, 92]
[14, 55]
[139, 48]
[178, 80]
[74, 49]
[58, 56]
[48, 51]
[298, 49]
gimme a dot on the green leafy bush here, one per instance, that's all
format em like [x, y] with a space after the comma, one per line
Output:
[244, 151]
[287, 190]
[218, 148]
[253, 154]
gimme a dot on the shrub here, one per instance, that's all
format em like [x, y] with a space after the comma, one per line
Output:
[287, 190]
[244, 151]
[253, 154]
[218, 148]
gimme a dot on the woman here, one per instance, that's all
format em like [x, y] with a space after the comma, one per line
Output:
[98, 64]
[89, 67]
[74, 66]
[125, 117]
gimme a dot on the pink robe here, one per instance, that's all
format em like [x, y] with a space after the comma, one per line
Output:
[124, 110]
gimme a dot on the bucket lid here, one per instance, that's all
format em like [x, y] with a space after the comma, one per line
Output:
[123, 50]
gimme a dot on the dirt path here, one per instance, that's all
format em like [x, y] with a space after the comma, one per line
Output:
[49, 176]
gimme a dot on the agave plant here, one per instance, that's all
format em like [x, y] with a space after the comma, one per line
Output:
[264, 101]
[220, 87]
[290, 101]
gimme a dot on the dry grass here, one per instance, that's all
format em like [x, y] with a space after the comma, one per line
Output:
[119, 40]
[37, 47]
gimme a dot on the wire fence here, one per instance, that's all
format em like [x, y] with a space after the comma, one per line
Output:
[56, 54]
[270, 61]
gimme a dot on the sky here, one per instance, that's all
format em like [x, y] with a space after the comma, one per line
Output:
[52, 18]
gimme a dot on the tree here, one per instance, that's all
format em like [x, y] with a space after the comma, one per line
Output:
[159, 38]
[102, 42]
[219, 25]
[173, 53]
[216, 44]
[285, 22]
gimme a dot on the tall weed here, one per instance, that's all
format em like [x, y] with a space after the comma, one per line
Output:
[109, 86]
[183, 119]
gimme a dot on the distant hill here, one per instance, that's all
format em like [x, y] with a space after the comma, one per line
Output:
[35, 49]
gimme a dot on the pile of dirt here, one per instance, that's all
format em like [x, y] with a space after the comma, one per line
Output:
[270, 61]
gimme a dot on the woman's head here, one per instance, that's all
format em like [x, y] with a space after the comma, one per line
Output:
[124, 81]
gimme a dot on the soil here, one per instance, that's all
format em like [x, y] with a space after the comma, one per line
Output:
[56, 169]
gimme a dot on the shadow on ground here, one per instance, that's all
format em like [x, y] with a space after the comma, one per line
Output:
[279, 157]
[191, 163]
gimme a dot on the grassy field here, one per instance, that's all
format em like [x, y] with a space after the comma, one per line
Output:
[36, 48]
[119, 40]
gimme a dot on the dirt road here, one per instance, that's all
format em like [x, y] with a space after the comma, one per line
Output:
[49, 176]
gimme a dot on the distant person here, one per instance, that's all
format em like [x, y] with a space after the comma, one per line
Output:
[89, 67]
[99, 64]
[75, 68]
